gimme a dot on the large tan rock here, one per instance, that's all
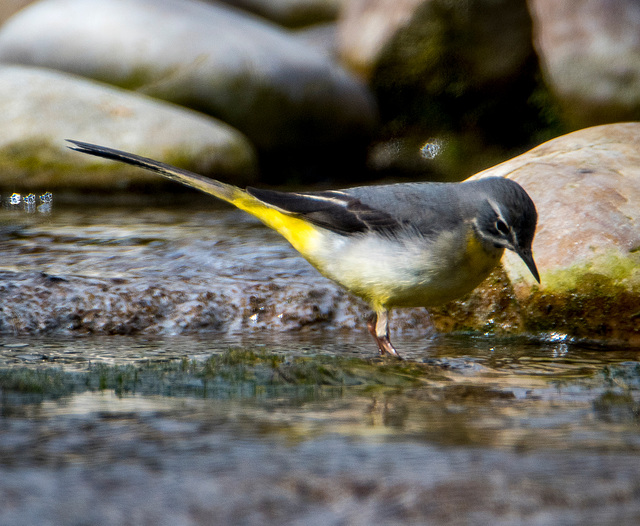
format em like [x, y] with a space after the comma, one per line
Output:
[586, 186]
[590, 55]
[8, 8]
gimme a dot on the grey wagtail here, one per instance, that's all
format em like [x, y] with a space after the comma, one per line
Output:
[397, 245]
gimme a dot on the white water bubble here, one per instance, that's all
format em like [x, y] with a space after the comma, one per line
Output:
[46, 202]
[29, 201]
[431, 149]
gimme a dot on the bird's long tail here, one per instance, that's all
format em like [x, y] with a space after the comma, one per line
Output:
[223, 191]
[301, 234]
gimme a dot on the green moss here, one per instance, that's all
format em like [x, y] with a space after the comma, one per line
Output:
[608, 274]
[234, 373]
[490, 308]
[29, 381]
[335, 371]
[234, 357]
[25, 163]
[38, 165]
[240, 365]
[599, 311]
[598, 301]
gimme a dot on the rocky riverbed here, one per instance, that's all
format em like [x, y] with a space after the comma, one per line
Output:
[182, 365]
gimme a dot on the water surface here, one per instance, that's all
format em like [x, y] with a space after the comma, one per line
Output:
[200, 424]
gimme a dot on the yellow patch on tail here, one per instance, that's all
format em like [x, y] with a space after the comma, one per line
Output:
[303, 236]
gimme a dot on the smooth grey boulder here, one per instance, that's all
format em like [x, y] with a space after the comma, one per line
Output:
[291, 13]
[252, 74]
[40, 108]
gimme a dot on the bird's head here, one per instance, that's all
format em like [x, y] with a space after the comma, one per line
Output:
[505, 217]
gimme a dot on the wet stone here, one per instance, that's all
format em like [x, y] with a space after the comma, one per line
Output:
[208, 271]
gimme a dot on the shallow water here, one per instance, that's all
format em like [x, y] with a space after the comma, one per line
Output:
[104, 429]
[488, 432]
[148, 270]
[122, 242]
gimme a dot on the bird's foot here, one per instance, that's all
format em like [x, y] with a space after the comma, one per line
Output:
[383, 342]
[386, 347]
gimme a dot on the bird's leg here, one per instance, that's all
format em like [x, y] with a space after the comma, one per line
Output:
[378, 325]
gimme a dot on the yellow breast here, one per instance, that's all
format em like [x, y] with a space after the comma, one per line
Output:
[419, 272]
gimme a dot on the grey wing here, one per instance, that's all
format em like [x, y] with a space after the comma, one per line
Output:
[334, 210]
[429, 208]
[389, 209]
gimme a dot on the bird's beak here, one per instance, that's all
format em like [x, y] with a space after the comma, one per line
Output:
[527, 257]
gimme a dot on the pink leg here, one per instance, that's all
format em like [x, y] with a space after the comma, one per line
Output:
[378, 325]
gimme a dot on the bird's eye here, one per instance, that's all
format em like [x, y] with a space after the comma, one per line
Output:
[502, 227]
